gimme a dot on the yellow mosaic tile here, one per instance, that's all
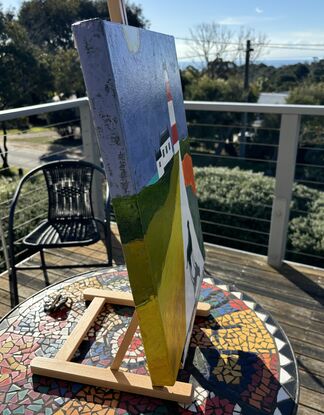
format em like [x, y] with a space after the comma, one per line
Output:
[236, 328]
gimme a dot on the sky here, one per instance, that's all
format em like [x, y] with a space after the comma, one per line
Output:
[297, 22]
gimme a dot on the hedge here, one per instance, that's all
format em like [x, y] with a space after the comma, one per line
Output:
[232, 199]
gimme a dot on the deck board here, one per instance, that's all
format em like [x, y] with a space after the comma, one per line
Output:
[294, 295]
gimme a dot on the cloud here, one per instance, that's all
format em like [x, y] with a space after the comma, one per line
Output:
[233, 20]
[258, 10]
[243, 20]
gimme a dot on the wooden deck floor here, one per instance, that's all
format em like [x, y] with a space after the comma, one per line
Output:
[294, 295]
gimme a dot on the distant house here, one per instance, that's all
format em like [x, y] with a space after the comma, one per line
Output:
[165, 153]
[272, 98]
[275, 98]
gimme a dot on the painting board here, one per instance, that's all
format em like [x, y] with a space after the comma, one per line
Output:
[133, 83]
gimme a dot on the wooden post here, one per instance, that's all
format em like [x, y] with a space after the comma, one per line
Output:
[117, 11]
[285, 174]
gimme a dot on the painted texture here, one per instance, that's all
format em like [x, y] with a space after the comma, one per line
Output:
[133, 84]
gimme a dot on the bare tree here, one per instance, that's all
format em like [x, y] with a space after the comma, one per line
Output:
[259, 43]
[210, 41]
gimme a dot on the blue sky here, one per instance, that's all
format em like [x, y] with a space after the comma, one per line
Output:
[283, 21]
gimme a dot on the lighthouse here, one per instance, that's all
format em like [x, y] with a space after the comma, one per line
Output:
[173, 123]
[165, 153]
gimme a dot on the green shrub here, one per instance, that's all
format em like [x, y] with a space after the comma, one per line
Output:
[236, 211]
[307, 233]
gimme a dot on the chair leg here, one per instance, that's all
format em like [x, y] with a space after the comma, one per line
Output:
[44, 267]
[13, 284]
[12, 272]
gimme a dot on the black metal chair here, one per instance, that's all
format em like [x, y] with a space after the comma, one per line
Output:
[70, 217]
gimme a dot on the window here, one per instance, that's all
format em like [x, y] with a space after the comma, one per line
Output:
[166, 150]
[163, 152]
[159, 163]
[169, 146]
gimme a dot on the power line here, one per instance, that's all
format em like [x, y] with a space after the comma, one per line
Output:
[259, 43]
[315, 47]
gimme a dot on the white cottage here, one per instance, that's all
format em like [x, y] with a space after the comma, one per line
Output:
[165, 153]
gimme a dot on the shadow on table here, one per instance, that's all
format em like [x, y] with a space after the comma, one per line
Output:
[236, 377]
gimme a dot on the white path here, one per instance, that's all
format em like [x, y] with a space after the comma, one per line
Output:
[197, 259]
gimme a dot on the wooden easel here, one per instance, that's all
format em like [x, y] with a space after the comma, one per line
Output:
[113, 377]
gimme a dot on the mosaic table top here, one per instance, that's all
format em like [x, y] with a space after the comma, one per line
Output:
[239, 361]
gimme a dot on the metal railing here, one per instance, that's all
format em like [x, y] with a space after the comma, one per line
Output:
[283, 165]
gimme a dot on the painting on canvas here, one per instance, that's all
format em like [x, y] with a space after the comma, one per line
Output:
[134, 88]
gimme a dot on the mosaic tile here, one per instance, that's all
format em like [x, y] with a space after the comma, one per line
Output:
[238, 360]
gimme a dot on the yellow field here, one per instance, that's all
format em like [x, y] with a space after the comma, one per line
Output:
[156, 268]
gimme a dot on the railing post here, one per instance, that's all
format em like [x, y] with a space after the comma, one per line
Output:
[285, 173]
[91, 153]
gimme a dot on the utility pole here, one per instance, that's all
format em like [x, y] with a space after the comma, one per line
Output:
[246, 88]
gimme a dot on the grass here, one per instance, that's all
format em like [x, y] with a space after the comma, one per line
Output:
[30, 130]
[24, 136]
[33, 140]
[50, 137]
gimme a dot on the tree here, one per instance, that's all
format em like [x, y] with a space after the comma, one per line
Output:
[188, 76]
[48, 22]
[213, 41]
[311, 149]
[209, 41]
[216, 127]
[317, 71]
[25, 73]
[219, 68]
[68, 80]
[259, 43]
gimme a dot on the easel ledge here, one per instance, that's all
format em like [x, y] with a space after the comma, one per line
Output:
[110, 378]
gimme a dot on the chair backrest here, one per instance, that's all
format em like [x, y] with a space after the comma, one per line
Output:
[69, 190]
[69, 184]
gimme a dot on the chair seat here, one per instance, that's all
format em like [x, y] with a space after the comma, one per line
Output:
[63, 233]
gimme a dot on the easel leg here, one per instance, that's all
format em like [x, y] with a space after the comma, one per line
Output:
[80, 330]
[125, 343]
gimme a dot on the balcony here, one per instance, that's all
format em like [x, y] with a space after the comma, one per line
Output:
[292, 291]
